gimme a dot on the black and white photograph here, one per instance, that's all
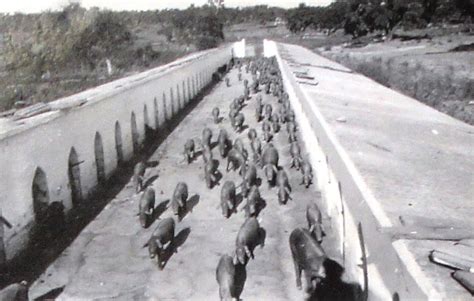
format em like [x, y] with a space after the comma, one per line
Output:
[236, 150]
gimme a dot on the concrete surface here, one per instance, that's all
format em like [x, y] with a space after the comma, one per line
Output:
[47, 141]
[107, 261]
[417, 163]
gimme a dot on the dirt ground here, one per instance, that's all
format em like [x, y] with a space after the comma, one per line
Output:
[107, 260]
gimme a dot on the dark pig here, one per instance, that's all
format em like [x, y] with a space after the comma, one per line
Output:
[189, 150]
[267, 128]
[228, 198]
[307, 174]
[239, 122]
[275, 123]
[180, 196]
[206, 136]
[249, 236]
[15, 292]
[225, 276]
[252, 134]
[207, 153]
[161, 236]
[308, 256]
[239, 145]
[270, 155]
[268, 112]
[210, 170]
[138, 173]
[235, 158]
[215, 114]
[284, 187]
[146, 207]
[224, 143]
[315, 221]
[249, 179]
[256, 147]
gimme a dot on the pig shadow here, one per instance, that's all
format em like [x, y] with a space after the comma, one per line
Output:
[333, 288]
[159, 210]
[190, 204]
[153, 163]
[50, 295]
[177, 242]
[243, 128]
[240, 278]
[214, 144]
[149, 181]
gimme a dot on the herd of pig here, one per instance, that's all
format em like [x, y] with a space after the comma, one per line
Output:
[308, 255]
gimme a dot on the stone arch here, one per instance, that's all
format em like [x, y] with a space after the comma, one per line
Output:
[146, 123]
[135, 136]
[99, 158]
[40, 195]
[119, 143]
[156, 113]
[172, 102]
[74, 175]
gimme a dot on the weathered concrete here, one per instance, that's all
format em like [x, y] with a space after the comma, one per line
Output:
[107, 261]
[81, 136]
[404, 170]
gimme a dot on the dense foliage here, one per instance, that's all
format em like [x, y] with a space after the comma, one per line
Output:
[359, 17]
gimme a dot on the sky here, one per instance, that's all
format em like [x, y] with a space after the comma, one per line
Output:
[32, 6]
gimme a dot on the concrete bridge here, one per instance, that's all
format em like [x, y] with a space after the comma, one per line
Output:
[394, 177]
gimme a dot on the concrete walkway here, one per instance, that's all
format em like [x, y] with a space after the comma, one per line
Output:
[107, 260]
[416, 162]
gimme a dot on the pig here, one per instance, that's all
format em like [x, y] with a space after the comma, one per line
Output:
[252, 134]
[258, 112]
[180, 196]
[228, 198]
[275, 123]
[307, 172]
[249, 179]
[215, 115]
[308, 256]
[292, 137]
[284, 187]
[253, 202]
[290, 127]
[256, 147]
[296, 159]
[267, 88]
[268, 112]
[206, 136]
[239, 122]
[146, 207]
[247, 93]
[290, 115]
[210, 170]
[239, 145]
[137, 178]
[232, 114]
[239, 76]
[249, 236]
[227, 82]
[267, 128]
[282, 114]
[315, 221]
[15, 292]
[270, 171]
[224, 143]
[189, 150]
[235, 158]
[270, 155]
[207, 153]
[225, 276]
[255, 87]
[161, 236]
[246, 82]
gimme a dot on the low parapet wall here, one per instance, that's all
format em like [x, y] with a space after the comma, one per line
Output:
[62, 155]
[393, 192]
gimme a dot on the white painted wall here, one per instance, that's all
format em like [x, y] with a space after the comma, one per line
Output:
[46, 140]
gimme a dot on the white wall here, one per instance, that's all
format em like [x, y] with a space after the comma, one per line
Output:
[239, 48]
[45, 140]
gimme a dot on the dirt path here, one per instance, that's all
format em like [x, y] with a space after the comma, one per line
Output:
[107, 260]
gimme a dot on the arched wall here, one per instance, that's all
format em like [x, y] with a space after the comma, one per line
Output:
[46, 140]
